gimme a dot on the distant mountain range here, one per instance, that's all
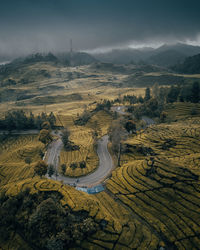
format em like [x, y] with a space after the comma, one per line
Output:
[68, 59]
[165, 55]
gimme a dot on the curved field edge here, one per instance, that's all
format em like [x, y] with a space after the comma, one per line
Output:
[158, 181]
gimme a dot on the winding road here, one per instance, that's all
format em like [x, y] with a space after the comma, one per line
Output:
[105, 160]
[90, 180]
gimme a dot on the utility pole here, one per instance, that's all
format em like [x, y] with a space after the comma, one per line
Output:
[71, 46]
[71, 53]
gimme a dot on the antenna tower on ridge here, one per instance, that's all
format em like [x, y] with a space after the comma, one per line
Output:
[71, 48]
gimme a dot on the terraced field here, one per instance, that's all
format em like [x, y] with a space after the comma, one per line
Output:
[12, 157]
[152, 200]
[83, 136]
[161, 187]
[100, 122]
[182, 110]
[84, 139]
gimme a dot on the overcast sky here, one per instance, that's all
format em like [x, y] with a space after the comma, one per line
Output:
[28, 26]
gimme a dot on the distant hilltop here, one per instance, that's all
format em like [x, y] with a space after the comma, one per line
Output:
[68, 58]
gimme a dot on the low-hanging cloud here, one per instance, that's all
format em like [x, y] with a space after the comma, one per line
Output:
[31, 26]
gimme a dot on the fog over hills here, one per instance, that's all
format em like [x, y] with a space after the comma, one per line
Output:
[165, 55]
[29, 27]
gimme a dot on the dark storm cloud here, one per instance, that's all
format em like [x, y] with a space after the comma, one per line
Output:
[32, 25]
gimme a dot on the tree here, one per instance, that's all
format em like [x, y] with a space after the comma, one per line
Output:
[65, 139]
[155, 90]
[147, 94]
[163, 116]
[117, 134]
[51, 170]
[45, 217]
[63, 168]
[195, 92]
[38, 122]
[46, 125]
[28, 160]
[31, 120]
[41, 153]
[82, 164]
[173, 94]
[130, 126]
[52, 119]
[40, 168]
[140, 99]
[45, 136]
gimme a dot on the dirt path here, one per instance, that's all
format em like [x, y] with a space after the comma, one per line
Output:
[20, 132]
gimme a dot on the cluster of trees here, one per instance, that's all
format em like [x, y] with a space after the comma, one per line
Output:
[75, 165]
[20, 120]
[40, 168]
[83, 118]
[68, 145]
[150, 108]
[86, 115]
[105, 105]
[43, 222]
[132, 99]
[45, 133]
[153, 103]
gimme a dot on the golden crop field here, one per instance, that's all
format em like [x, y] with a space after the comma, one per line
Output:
[83, 136]
[152, 200]
[13, 152]
[161, 187]
[100, 122]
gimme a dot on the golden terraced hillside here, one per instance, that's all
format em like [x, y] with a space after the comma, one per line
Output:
[151, 200]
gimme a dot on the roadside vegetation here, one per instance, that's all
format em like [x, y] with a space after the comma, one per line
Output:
[20, 120]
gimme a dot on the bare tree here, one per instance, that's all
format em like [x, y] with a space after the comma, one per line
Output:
[117, 135]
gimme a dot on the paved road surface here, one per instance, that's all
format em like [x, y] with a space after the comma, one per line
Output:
[20, 132]
[120, 110]
[103, 170]
[105, 161]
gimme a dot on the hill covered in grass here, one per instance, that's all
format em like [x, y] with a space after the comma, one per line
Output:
[191, 65]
